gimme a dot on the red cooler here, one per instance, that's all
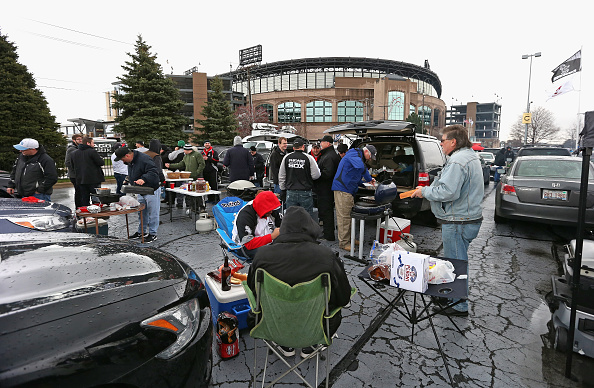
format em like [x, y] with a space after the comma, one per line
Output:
[396, 226]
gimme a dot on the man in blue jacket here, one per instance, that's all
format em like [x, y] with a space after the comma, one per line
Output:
[456, 195]
[142, 171]
[351, 171]
[239, 161]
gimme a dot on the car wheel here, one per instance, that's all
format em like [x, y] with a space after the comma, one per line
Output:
[561, 336]
[498, 219]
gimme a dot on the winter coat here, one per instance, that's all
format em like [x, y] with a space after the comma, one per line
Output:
[250, 228]
[212, 158]
[240, 163]
[68, 159]
[328, 162]
[143, 167]
[276, 157]
[154, 152]
[298, 171]
[500, 158]
[88, 165]
[351, 170]
[296, 257]
[176, 156]
[32, 174]
[192, 162]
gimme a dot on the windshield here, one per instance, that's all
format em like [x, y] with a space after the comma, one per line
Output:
[545, 151]
[552, 168]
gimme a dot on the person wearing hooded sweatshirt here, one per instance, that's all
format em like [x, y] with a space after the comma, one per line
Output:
[177, 154]
[154, 151]
[296, 256]
[256, 224]
[240, 161]
[88, 166]
[34, 172]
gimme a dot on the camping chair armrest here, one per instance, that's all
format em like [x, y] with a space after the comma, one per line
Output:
[230, 244]
[251, 297]
[336, 309]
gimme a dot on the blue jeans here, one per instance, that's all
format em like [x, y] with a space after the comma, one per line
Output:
[45, 197]
[456, 239]
[301, 198]
[277, 189]
[120, 178]
[150, 214]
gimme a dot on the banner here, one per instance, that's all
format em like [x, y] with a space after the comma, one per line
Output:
[566, 87]
[572, 65]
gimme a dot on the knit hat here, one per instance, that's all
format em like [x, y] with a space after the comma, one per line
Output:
[237, 140]
[188, 147]
[181, 143]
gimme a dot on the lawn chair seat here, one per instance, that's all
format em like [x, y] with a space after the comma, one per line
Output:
[224, 213]
[296, 317]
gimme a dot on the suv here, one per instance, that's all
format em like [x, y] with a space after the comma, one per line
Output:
[533, 151]
[403, 156]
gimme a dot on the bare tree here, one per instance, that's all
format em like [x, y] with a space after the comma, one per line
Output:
[246, 117]
[542, 127]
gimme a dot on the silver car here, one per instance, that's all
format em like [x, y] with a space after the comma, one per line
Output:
[544, 189]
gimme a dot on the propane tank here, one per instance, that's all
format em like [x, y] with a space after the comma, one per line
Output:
[406, 242]
[204, 223]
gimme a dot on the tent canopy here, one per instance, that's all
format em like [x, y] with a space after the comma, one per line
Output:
[477, 147]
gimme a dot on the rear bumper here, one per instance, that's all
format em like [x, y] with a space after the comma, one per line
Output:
[510, 207]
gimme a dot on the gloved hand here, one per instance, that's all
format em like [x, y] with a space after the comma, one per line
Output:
[283, 196]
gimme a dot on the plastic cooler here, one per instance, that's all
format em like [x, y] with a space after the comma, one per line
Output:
[233, 301]
[396, 226]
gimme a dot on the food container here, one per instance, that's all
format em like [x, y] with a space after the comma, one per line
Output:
[185, 174]
[173, 175]
[102, 190]
[200, 185]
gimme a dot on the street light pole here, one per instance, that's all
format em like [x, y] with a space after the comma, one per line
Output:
[538, 54]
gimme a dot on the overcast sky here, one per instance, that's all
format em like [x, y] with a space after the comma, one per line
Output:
[76, 49]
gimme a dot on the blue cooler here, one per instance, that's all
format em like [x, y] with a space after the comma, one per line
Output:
[234, 301]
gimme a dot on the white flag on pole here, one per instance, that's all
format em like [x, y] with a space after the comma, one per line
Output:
[562, 89]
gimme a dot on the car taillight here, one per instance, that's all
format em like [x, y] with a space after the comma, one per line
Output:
[183, 321]
[508, 189]
[423, 179]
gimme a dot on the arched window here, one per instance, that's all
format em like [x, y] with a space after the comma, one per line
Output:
[425, 114]
[350, 111]
[270, 110]
[395, 106]
[318, 112]
[289, 112]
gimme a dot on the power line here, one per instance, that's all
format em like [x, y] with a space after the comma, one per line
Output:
[80, 32]
[69, 41]
[76, 90]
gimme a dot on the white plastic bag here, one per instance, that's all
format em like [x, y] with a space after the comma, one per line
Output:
[440, 271]
[382, 253]
[128, 202]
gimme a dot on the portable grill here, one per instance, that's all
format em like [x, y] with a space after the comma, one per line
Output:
[385, 193]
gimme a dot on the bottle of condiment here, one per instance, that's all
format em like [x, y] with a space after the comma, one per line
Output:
[226, 276]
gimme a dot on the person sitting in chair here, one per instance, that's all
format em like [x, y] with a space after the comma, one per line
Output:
[296, 257]
[257, 223]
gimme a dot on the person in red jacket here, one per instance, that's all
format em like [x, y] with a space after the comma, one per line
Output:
[257, 223]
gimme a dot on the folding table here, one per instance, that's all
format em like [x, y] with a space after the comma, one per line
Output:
[458, 289]
[193, 194]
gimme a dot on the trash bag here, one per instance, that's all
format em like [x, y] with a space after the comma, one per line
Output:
[440, 271]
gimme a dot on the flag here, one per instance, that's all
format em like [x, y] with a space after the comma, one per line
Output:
[572, 65]
[562, 89]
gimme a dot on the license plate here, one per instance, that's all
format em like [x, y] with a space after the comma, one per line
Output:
[554, 194]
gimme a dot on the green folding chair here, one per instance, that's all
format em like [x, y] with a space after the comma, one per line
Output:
[295, 317]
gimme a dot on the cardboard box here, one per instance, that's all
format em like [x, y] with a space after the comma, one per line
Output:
[233, 301]
[409, 271]
[396, 226]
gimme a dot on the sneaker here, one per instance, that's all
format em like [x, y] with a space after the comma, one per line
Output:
[285, 351]
[347, 247]
[138, 235]
[306, 352]
[150, 238]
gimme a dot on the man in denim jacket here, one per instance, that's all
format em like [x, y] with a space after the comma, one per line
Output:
[456, 195]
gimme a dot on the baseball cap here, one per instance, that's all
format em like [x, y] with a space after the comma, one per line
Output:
[371, 150]
[327, 138]
[298, 142]
[252, 148]
[120, 153]
[27, 144]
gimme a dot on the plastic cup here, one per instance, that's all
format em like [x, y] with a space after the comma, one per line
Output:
[172, 185]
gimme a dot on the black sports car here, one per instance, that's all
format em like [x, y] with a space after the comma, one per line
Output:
[83, 311]
[17, 216]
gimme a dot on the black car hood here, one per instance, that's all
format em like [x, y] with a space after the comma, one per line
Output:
[14, 207]
[80, 272]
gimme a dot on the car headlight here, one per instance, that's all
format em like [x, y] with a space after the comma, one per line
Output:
[45, 223]
[183, 321]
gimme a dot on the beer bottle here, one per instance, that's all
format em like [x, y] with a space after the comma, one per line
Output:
[225, 276]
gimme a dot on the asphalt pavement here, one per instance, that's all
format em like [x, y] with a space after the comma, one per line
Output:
[505, 341]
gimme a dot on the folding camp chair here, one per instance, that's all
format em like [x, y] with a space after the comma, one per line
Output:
[296, 317]
[224, 213]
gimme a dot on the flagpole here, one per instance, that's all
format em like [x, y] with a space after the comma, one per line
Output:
[577, 135]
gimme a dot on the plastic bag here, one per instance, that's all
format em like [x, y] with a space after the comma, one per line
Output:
[440, 271]
[382, 253]
[127, 201]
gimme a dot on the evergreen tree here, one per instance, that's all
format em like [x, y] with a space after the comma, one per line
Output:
[149, 103]
[24, 111]
[415, 119]
[220, 125]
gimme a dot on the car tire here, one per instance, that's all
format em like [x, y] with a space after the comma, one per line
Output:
[561, 337]
[498, 219]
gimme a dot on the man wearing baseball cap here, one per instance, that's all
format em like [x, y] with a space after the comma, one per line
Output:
[351, 171]
[328, 162]
[41, 172]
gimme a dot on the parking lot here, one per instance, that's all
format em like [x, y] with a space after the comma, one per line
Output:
[505, 341]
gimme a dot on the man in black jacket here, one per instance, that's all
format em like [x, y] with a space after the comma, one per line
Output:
[296, 176]
[72, 147]
[142, 171]
[88, 167]
[239, 161]
[296, 257]
[41, 171]
[276, 157]
[328, 163]
[258, 167]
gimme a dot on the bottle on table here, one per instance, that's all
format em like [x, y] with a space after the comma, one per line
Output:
[226, 276]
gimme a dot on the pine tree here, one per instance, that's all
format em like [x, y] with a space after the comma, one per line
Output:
[220, 125]
[24, 111]
[415, 119]
[149, 103]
